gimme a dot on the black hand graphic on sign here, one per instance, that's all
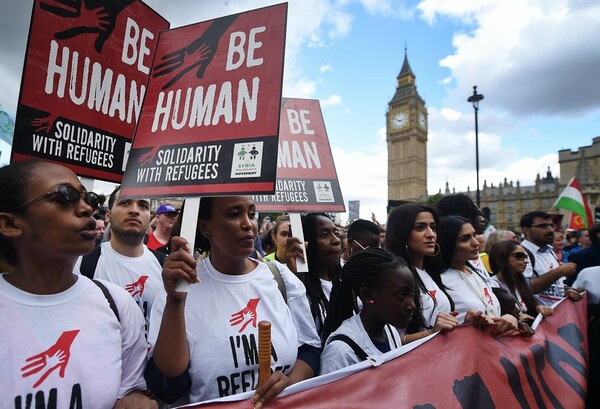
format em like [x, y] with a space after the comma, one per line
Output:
[198, 54]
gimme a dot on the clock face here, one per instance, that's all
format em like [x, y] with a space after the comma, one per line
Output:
[399, 120]
[422, 121]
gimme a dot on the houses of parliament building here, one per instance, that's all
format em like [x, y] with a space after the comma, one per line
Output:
[508, 201]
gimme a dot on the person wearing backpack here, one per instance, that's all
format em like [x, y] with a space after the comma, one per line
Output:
[66, 341]
[125, 260]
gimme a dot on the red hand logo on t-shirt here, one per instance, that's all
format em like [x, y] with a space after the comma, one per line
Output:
[137, 287]
[488, 296]
[247, 315]
[432, 295]
[55, 357]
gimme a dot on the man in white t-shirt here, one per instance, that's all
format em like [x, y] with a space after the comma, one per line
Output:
[125, 260]
[546, 278]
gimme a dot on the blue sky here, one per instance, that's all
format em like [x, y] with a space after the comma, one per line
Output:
[534, 60]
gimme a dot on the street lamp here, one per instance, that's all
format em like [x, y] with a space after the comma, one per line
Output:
[474, 99]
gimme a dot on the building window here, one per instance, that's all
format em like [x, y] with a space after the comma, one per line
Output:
[510, 217]
[510, 205]
[547, 203]
[528, 204]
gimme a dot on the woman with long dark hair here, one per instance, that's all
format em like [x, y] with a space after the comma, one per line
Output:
[323, 248]
[467, 287]
[412, 234]
[386, 288]
[508, 260]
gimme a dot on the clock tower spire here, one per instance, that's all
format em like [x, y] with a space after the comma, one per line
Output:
[406, 139]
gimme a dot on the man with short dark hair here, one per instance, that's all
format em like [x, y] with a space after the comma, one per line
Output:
[546, 279]
[362, 234]
[125, 260]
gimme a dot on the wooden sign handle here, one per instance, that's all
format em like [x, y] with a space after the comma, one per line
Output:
[264, 351]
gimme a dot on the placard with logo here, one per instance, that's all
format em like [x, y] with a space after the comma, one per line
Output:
[306, 175]
[210, 120]
[84, 81]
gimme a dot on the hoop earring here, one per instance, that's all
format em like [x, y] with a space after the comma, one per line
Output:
[438, 250]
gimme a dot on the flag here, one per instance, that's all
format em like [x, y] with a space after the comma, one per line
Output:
[572, 199]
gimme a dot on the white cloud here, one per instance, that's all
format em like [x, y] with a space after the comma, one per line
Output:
[533, 56]
[331, 100]
[325, 68]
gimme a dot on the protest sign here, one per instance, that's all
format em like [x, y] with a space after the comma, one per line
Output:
[306, 176]
[84, 81]
[209, 124]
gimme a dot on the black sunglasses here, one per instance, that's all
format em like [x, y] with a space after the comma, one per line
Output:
[66, 194]
[519, 255]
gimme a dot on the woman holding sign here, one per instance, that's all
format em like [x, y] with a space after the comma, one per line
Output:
[205, 341]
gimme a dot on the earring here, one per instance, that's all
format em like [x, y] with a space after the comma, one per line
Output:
[437, 247]
[371, 301]
[206, 234]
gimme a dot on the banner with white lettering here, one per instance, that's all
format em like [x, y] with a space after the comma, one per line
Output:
[210, 120]
[306, 175]
[466, 368]
[84, 80]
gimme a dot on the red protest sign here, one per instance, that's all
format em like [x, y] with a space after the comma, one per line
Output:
[210, 120]
[83, 83]
[306, 176]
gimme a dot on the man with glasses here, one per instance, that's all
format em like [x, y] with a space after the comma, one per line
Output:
[545, 274]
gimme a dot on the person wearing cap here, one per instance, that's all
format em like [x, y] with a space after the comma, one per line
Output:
[165, 216]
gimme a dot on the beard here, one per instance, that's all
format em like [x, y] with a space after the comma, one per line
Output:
[129, 236]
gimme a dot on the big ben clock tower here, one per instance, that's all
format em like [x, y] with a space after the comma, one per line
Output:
[406, 139]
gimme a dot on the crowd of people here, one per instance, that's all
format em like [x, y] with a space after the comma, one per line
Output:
[73, 292]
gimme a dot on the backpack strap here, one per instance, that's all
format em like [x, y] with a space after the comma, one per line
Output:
[531, 260]
[109, 298]
[277, 275]
[160, 256]
[89, 263]
[360, 353]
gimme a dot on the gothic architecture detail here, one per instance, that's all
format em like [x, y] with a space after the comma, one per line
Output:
[406, 139]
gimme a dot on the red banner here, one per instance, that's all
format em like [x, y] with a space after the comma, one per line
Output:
[210, 120]
[84, 80]
[467, 368]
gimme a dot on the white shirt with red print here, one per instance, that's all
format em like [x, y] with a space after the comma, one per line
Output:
[222, 313]
[545, 260]
[69, 349]
[139, 276]
[470, 291]
[433, 301]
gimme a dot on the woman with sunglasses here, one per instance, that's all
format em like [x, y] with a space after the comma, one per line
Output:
[470, 291]
[508, 261]
[412, 235]
[70, 339]
[205, 341]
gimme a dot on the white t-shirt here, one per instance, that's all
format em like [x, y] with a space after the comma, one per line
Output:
[139, 276]
[338, 354]
[69, 347]
[470, 291]
[222, 313]
[496, 283]
[589, 278]
[545, 260]
[433, 301]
